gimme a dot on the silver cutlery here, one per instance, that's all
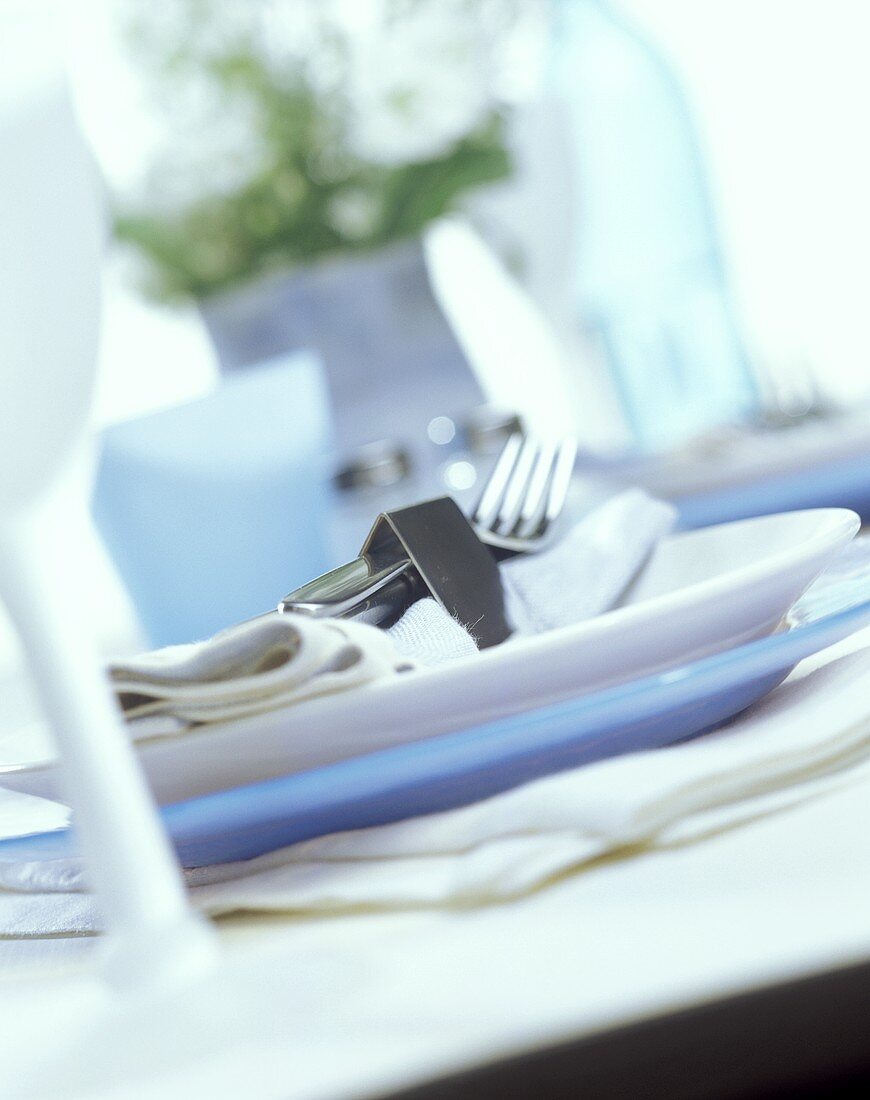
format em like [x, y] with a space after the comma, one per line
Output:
[524, 495]
[433, 549]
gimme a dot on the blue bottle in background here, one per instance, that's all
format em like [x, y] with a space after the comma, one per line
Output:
[648, 276]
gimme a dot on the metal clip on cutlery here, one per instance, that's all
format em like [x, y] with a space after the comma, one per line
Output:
[431, 549]
[427, 549]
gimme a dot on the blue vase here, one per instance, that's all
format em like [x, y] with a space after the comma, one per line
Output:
[392, 366]
[649, 280]
[391, 361]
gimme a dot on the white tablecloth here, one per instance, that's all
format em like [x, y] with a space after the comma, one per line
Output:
[380, 1000]
[391, 998]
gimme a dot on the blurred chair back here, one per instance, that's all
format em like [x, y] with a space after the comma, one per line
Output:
[212, 510]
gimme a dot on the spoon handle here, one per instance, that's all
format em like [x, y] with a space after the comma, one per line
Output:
[153, 934]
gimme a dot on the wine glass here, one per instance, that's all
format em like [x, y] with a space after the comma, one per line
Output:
[51, 231]
[170, 1004]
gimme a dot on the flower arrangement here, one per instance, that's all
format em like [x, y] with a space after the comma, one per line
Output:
[297, 129]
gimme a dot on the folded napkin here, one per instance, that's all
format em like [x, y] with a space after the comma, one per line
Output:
[260, 665]
[810, 736]
[586, 571]
[277, 660]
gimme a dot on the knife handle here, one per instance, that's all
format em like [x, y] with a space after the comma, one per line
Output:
[359, 589]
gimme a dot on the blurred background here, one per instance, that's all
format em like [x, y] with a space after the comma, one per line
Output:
[364, 239]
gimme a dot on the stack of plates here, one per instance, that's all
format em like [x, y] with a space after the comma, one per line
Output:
[823, 460]
[710, 626]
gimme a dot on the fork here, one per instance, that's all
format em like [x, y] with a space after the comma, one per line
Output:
[520, 502]
[524, 495]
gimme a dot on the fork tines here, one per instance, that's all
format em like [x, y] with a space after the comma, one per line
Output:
[527, 488]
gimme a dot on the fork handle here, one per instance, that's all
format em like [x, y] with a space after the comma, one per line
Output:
[359, 589]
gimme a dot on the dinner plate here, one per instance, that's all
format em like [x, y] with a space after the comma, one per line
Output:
[819, 461]
[701, 592]
[844, 481]
[459, 768]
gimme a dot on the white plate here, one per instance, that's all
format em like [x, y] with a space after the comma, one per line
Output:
[741, 458]
[702, 592]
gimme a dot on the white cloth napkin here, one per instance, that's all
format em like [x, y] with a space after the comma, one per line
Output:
[260, 665]
[427, 634]
[586, 571]
[809, 736]
[278, 660]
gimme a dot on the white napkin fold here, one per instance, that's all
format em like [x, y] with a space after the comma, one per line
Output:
[427, 634]
[586, 571]
[256, 666]
[809, 736]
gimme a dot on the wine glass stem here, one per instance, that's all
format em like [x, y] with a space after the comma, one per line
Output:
[129, 860]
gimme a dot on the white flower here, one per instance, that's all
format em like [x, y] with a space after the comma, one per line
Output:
[417, 83]
[212, 146]
[395, 82]
[289, 32]
[522, 35]
[354, 213]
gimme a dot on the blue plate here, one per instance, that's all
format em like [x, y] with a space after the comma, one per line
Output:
[827, 482]
[844, 483]
[459, 768]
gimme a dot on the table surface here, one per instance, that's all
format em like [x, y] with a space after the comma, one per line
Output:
[388, 1000]
[407, 996]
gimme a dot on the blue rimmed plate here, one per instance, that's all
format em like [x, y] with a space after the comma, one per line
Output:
[700, 593]
[458, 768]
